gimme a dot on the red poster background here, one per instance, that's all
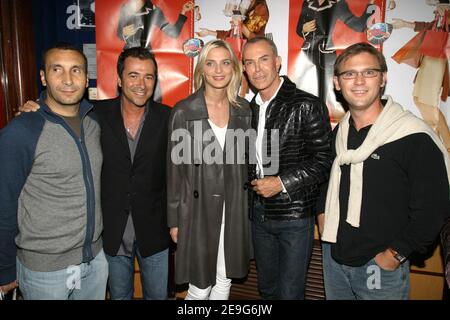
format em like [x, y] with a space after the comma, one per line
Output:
[343, 36]
[174, 67]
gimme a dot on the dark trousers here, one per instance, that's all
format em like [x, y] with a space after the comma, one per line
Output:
[282, 252]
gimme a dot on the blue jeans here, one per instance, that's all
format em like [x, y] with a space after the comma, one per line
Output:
[282, 253]
[86, 281]
[154, 275]
[368, 282]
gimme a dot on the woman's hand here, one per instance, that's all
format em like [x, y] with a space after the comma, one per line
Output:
[309, 26]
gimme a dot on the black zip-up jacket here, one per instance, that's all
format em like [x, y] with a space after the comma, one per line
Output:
[304, 151]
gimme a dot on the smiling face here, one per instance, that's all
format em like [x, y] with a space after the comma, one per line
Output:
[65, 78]
[262, 65]
[218, 68]
[361, 93]
[137, 81]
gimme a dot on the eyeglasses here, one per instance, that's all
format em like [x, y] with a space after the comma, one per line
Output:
[352, 74]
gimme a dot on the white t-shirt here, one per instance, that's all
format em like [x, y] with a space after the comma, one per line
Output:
[219, 132]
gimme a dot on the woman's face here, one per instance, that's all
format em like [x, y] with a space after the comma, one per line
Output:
[218, 68]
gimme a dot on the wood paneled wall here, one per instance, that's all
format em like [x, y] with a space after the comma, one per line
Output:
[17, 57]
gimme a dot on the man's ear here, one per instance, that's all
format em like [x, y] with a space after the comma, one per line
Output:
[42, 75]
[119, 82]
[384, 79]
[336, 83]
[278, 63]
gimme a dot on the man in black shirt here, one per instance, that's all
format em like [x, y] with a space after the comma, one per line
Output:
[388, 194]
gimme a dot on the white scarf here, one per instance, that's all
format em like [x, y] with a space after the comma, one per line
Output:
[392, 124]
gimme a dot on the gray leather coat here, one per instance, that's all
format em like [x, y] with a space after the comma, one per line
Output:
[197, 192]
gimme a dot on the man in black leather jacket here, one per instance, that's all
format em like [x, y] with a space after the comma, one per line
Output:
[293, 157]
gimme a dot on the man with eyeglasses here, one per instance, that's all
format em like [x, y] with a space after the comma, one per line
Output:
[388, 193]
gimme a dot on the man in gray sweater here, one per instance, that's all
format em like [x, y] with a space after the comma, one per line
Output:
[50, 213]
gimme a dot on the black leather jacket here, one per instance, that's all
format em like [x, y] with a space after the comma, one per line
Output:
[304, 151]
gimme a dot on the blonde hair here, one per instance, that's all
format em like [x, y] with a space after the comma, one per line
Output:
[235, 82]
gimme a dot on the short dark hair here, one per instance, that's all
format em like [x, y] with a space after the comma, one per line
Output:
[136, 52]
[63, 46]
[264, 39]
[355, 49]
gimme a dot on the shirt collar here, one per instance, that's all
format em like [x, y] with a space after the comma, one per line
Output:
[145, 111]
[258, 99]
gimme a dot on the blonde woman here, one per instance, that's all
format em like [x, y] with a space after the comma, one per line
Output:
[207, 178]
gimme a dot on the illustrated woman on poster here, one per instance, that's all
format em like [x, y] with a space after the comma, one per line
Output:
[315, 25]
[431, 83]
[253, 24]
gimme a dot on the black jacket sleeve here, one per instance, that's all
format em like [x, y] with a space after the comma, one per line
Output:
[321, 201]
[317, 136]
[429, 202]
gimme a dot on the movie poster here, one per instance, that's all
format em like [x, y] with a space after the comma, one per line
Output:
[421, 87]
[213, 20]
[162, 26]
[309, 35]
[318, 32]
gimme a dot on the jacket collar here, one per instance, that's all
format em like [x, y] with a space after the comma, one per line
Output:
[287, 89]
[152, 122]
[198, 109]
[314, 4]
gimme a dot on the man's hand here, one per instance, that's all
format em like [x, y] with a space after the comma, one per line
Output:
[309, 26]
[29, 106]
[268, 186]
[188, 6]
[8, 287]
[174, 234]
[321, 222]
[385, 260]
